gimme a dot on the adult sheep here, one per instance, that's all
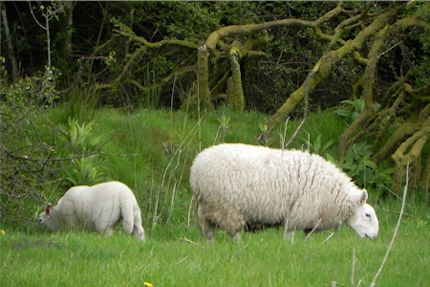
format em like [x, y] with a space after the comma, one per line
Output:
[237, 185]
[98, 208]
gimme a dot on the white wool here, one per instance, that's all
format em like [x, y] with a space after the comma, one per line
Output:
[97, 208]
[237, 184]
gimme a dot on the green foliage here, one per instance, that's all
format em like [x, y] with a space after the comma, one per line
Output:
[364, 171]
[351, 109]
[25, 153]
[82, 136]
[317, 146]
[83, 140]
[84, 171]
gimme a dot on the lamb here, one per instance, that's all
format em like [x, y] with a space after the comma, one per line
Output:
[98, 208]
[238, 185]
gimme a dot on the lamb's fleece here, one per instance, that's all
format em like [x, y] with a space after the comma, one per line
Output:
[237, 184]
[98, 208]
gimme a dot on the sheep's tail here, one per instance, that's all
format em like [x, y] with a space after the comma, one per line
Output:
[138, 230]
[127, 214]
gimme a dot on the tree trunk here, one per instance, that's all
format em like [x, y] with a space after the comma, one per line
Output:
[203, 92]
[65, 30]
[236, 97]
[11, 51]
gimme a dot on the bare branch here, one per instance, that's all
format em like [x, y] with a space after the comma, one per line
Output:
[35, 19]
[27, 158]
[142, 40]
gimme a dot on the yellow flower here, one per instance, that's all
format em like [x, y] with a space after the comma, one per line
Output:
[2, 232]
[147, 284]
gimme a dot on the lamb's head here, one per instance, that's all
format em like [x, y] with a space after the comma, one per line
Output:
[364, 221]
[48, 218]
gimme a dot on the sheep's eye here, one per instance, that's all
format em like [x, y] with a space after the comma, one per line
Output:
[367, 215]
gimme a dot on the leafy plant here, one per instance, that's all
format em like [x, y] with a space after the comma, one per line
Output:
[224, 125]
[82, 136]
[317, 146]
[84, 141]
[84, 171]
[364, 171]
[351, 109]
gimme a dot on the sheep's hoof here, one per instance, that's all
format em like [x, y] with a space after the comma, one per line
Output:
[236, 238]
[288, 235]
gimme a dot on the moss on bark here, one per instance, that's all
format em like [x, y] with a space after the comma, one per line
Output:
[236, 97]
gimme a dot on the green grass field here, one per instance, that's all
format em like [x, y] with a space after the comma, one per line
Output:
[184, 258]
[152, 151]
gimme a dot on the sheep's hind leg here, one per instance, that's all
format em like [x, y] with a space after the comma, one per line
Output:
[233, 222]
[206, 227]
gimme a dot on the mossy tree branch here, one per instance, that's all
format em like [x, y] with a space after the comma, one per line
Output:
[367, 81]
[324, 66]
[406, 129]
[409, 153]
[133, 37]
[215, 39]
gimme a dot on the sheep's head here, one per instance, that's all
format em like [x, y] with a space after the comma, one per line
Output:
[364, 220]
[48, 218]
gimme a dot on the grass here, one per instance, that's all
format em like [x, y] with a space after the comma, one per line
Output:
[185, 259]
[151, 151]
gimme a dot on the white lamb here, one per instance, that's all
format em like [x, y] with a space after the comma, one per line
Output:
[236, 185]
[98, 208]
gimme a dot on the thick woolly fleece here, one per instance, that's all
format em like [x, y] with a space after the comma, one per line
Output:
[237, 184]
[98, 208]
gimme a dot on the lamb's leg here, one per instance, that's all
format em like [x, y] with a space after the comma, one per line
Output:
[107, 232]
[138, 230]
[104, 219]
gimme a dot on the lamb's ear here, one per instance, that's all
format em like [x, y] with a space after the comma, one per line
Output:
[364, 196]
[48, 209]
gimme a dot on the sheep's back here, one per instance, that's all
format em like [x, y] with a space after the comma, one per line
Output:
[266, 184]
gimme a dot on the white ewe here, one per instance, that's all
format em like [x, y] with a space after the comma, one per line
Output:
[237, 185]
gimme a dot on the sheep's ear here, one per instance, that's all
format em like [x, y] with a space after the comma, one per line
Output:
[364, 196]
[48, 209]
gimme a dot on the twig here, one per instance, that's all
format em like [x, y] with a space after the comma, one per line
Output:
[35, 19]
[313, 229]
[305, 116]
[188, 240]
[189, 212]
[293, 136]
[354, 259]
[389, 49]
[284, 135]
[27, 158]
[328, 238]
[405, 190]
